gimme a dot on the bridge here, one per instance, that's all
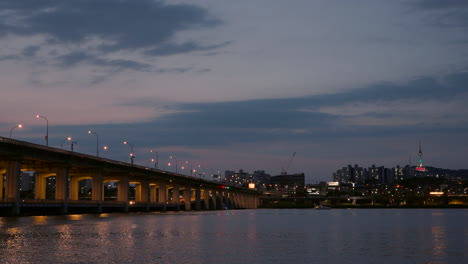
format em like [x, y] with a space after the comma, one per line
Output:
[152, 189]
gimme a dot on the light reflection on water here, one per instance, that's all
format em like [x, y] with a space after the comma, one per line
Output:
[243, 236]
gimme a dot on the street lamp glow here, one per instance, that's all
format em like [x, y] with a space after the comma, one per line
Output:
[47, 128]
[17, 126]
[63, 141]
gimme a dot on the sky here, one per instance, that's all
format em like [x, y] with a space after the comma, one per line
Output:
[299, 86]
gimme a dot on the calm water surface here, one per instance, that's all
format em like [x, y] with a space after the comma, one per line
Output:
[240, 236]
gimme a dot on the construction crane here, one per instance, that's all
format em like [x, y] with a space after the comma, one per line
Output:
[285, 171]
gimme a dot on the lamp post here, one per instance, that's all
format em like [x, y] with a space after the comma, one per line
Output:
[47, 128]
[97, 141]
[191, 167]
[19, 126]
[199, 171]
[72, 144]
[174, 157]
[63, 141]
[156, 162]
[132, 156]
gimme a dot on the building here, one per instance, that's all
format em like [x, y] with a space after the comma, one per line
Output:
[289, 184]
[240, 178]
[351, 174]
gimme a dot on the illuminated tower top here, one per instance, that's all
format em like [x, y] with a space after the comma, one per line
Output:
[420, 167]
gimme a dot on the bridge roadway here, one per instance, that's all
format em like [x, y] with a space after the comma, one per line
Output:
[154, 189]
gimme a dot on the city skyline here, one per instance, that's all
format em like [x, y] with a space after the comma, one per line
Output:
[232, 85]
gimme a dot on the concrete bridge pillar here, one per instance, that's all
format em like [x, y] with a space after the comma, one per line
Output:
[162, 195]
[12, 192]
[2, 172]
[61, 188]
[252, 201]
[188, 198]
[122, 189]
[153, 193]
[75, 187]
[40, 185]
[214, 198]
[246, 201]
[141, 191]
[61, 185]
[197, 198]
[175, 195]
[243, 201]
[204, 196]
[97, 187]
[237, 200]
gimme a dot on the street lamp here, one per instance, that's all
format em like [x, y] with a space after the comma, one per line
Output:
[174, 157]
[198, 169]
[63, 141]
[72, 144]
[97, 141]
[191, 167]
[156, 162]
[19, 126]
[132, 156]
[47, 128]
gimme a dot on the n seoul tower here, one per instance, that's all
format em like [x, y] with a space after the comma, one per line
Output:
[420, 167]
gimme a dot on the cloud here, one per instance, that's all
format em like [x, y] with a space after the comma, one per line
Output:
[447, 13]
[30, 51]
[422, 89]
[173, 48]
[426, 104]
[142, 28]
[437, 4]
[9, 57]
[72, 59]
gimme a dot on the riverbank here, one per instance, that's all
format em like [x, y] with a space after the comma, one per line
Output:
[302, 205]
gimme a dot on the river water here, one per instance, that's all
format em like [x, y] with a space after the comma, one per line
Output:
[240, 236]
